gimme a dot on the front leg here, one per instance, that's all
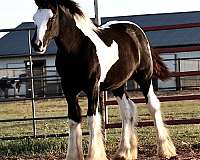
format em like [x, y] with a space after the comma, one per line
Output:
[74, 151]
[96, 150]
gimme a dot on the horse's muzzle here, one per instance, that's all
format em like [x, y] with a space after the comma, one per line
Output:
[38, 46]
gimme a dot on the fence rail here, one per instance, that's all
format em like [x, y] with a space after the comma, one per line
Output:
[151, 123]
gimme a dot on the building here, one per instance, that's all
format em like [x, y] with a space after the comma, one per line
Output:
[15, 63]
[175, 35]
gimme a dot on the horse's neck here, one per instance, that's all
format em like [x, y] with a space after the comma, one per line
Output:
[69, 38]
[69, 35]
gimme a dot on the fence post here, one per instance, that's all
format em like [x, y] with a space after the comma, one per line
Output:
[96, 10]
[103, 111]
[32, 84]
[178, 69]
[105, 98]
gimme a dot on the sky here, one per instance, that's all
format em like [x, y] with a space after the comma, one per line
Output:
[14, 12]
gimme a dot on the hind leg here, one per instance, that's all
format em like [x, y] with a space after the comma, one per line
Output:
[166, 147]
[128, 144]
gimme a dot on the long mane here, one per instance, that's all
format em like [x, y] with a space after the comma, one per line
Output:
[83, 22]
[73, 7]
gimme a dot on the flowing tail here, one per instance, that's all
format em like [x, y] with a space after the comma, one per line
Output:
[160, 70]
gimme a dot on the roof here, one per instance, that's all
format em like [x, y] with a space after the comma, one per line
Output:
[166, 38]
[16, 43]
[159, 19]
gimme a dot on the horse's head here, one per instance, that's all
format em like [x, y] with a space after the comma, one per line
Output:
[52, 14]
[47, 25]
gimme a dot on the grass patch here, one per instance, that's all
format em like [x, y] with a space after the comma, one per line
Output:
[185, 137]
[146, 137]
[32, 146]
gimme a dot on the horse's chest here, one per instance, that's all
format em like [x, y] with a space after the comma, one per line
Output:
[72, 69]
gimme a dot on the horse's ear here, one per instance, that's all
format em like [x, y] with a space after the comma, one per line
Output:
[42, 3]
[38, 3]
[72, 6]
[53, 4]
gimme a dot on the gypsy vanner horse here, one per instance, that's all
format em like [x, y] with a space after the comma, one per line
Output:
[94, 59]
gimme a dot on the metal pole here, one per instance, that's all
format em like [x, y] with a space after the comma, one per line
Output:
[105, 98]
[32, 84]
[102, 111]
[96, 11]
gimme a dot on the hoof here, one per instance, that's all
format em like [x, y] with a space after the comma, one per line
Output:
[172, 158]
[118, 157]
[96, 158]
[74, 158]
[125, 156]
[167, 150]
[121, 158]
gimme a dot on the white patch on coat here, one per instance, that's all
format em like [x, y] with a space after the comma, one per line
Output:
[107, 55]
[41, 19]
[74, 150]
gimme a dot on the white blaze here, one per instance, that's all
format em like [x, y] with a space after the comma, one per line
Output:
[41, 19]
[107, 55]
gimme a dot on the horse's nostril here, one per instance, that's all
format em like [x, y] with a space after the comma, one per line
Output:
[39, 44]
[36, 44]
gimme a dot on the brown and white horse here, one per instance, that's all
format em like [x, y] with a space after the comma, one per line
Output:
[93, 59]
